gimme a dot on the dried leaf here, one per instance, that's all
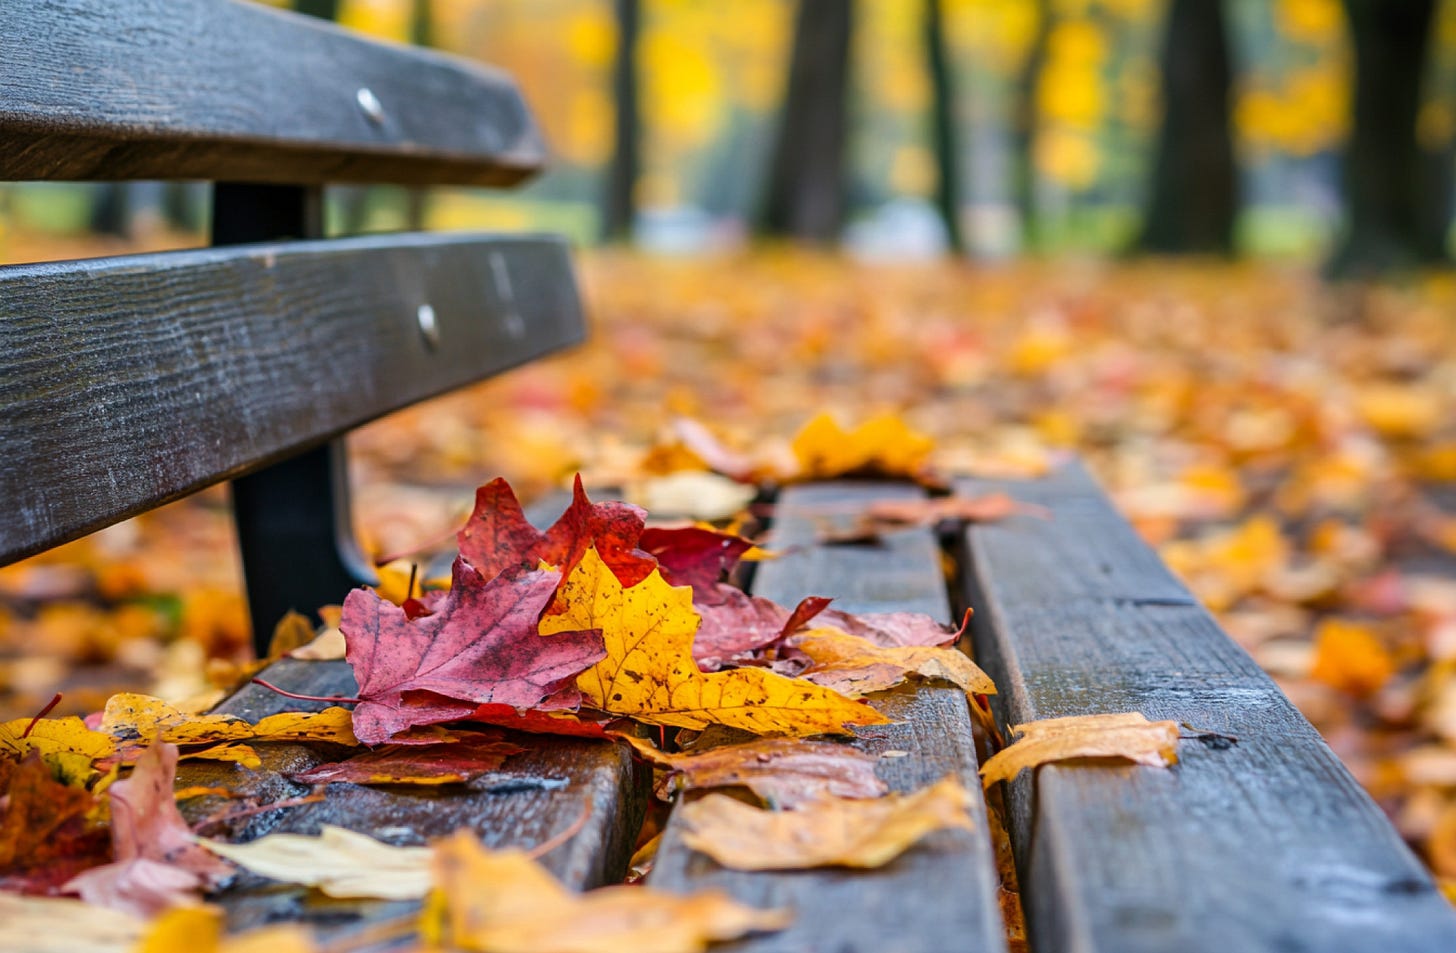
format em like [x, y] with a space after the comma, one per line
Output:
[783, 772]
[481, 646]
[1350, 657]
[45, 836]
[64, 925]
[505, 902]
[134, 720]
[157, 864]
[649, 672]
[339, 862]
[856, 666]
[1127, 735]
[539, 722]
[736, 625]
[826, 833]
[452, 763]
[693, 556]
[200, 930]
[66, 745]
[692, 494]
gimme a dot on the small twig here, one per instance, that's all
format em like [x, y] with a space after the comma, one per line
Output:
[1205, 733]
[231, 816]
[41, 714]
[547, 846]
[338, 699]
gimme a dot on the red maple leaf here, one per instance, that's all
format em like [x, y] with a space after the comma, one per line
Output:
[481, 644]
[692, 556]
[497, 537]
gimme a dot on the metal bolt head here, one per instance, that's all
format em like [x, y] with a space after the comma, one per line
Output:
[373, 108]
[429, 326]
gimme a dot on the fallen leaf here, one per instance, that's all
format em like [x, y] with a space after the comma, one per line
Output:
[736, 625]
[497, 537]
[927, 511]
[856, 666]
[701, 442]
[45, 834]
[481, 646]
[66, 745]
[505, 902]
[328, 646]
[889, 629]
[784, 772]
[242, 754]
[340, 862]
[134, 720]
[539, 722]
[452, 763]
[693, 556]
[1127, 735]
[200, 930]
[1350, 657]
[883, 446]
[692, 494]
[827, 833]
[292, 632]
[158, 864]
[649, 673]
[65, 925]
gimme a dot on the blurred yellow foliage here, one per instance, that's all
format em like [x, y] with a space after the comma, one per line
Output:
[1350, 657]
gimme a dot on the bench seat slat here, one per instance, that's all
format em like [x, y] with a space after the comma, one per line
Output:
[538, 794]
[227, 90]
[942, 894]
[1268, 845]
[128, 382]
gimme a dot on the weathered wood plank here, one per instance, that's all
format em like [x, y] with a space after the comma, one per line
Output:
[222, 89]
[1268, 845]
[942, 894]
[128, 382]
[532, 797]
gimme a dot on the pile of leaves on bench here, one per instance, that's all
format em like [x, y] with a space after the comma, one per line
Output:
[599, 626]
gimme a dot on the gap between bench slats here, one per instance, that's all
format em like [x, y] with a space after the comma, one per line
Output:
[1270, 845]
[532, 797]
[939, 896]
[226, 90]
[128, 382]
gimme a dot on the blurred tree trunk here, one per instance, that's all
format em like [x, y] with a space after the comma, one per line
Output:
[1384, 195]
[1438, 186]
[323, 9]
[806, 190]
[1023, 126]
[943, 126]
[422, 33]
[1194, 192]
[619, 207]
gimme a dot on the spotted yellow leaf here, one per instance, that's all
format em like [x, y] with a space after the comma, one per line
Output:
[649, 673]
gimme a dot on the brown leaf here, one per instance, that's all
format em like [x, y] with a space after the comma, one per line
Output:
[340, 862]
[785, 773]
[856, 666]
[45, 838]
[825, 833]
[505, 902]
[1127, 735]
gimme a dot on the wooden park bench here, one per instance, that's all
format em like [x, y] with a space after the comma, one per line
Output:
[132, 381]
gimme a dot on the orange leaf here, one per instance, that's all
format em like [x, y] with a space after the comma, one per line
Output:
[1129, 735]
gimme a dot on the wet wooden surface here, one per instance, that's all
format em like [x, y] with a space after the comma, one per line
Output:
[940, 895]
[530, 798]
[1266, 845]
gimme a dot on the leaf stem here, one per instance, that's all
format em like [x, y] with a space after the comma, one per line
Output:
[338, 699]
[547, 846]
[55, 700]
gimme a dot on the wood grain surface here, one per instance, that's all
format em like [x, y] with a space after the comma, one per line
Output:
[128, 382]
[223, 89]
[529, 799]
[939, 896]
[1265, 845]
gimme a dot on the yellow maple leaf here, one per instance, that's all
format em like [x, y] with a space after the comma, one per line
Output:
[830, 832]
[856, 666]
[66, 745]
[504, 902]
[649, 673]
[1126, 735]
[884, 444]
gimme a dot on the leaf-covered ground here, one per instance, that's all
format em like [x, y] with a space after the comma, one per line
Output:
[1287, 447]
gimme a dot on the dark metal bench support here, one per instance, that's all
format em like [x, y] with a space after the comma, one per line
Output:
[293, 518]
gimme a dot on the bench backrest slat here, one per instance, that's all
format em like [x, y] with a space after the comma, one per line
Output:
[227, 90]
[1269, 844]
[128, 382]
